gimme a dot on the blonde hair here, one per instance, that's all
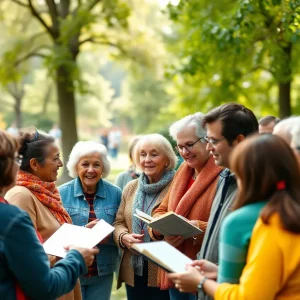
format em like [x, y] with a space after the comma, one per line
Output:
[159, 142]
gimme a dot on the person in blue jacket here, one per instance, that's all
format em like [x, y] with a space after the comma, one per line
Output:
[24, 265]
[88, 198]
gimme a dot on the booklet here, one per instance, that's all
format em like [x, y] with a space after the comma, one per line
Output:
[69, 234]
[169, 224]
[164, 255]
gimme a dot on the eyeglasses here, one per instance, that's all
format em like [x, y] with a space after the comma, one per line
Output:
[189, 147]
[19, 159]
[213, 142]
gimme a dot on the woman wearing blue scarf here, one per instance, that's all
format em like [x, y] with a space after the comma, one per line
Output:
[156, 159]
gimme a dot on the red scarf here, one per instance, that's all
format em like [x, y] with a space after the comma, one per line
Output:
[19, 293]
[46, 193]
[192, 202]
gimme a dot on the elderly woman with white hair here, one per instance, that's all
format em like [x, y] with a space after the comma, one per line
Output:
[88, 198]
[192, 191]
[295, 143]
[156, 159]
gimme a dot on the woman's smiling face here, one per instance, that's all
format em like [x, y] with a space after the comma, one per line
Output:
[89, 170]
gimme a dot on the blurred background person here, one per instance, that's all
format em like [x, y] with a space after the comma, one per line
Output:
[104, 137]
[56, 133]
[192, 191]
[156, 159]
[272, 270]
[126, 176]
[89, 198]
[12, 129]
[267, 124]
[114, 142]
[35, 189]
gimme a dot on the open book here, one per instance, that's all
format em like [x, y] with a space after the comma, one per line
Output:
[69, 234]
[164, 255]
[169, 224]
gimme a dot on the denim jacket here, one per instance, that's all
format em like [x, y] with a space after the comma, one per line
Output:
[23, 259]
[106, 204]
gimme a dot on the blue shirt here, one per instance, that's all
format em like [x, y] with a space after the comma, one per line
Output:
[106, 204]
[23, 259]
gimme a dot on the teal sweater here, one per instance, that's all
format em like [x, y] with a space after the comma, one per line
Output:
[23, 259]
[235, 234]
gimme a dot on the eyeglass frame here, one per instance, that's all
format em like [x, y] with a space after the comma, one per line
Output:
[213, 142]
[190, 147]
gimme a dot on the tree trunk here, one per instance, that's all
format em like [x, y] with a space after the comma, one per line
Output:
[18, 113]
[284, 86]
[67, 115]
[284, 99]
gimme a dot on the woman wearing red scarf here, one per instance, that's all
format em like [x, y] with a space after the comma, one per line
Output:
[35, 189]
[24, 266]
[192, 190]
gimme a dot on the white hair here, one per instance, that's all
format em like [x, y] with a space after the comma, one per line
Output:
[194, 120]
[285, 127]
[296, 137]
[82, 149]
[159, 142]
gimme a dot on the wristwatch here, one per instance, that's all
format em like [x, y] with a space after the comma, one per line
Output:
[200, 285]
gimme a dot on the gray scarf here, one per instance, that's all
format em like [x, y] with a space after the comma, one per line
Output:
[145, 200]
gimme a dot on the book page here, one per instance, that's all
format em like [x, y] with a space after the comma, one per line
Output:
[164, 255]
[143, 215]
[69, 234]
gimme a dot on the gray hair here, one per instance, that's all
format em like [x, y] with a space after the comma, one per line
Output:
[296, 137]
[159, 142]
[285, 127]
[194, 120]
[82, 149]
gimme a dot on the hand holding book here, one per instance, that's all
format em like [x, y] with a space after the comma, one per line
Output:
[132, 238]
[170, 224]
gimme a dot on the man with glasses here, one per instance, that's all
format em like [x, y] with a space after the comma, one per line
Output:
[227, 125]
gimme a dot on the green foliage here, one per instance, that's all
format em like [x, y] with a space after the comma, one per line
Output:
[233, 51]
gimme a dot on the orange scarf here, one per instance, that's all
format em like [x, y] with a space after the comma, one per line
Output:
[46, 193]
[193, 203]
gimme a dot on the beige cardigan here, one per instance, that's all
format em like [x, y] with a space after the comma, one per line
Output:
[123, 224]
[43, 221]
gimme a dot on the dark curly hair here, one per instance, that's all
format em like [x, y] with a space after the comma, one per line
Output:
[33, 144]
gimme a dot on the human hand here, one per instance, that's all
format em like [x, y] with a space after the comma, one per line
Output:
[157, 234]
[188, 281]
[206, 268]
[92, 224]
[175, 241]
[87, 254]
[132, 238]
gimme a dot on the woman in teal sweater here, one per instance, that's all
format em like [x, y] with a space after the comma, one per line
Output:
[24, 267]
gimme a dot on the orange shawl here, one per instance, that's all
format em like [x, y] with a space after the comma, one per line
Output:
[46, 193]
[193, 203]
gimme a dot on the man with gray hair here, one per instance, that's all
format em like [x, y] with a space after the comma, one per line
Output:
[285, 128]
